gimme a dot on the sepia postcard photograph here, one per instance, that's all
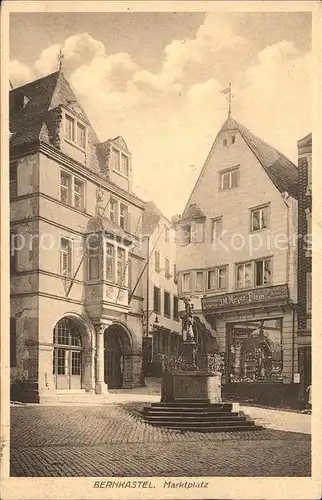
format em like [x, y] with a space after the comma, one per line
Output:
[160, 250]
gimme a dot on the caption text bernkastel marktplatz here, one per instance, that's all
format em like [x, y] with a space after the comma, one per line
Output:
[148, 484]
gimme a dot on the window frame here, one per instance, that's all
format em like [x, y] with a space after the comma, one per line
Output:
[182, 282]
[175, 310]
[260, 208]
[71, 191]
[213, 221]
[118, 166]
[76, 123]
[167, 314]
[216, 270]
[230, 172]
[200, 223]
[69, 253]
[167, 268]
[252, 263]
[157, 261]
[263, 260]
[157, 309]
[202, 281]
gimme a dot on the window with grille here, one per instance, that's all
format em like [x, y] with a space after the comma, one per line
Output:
[109, 275]
[156, 300]
[65, 257]
[259, 218]
[78, 194]
[120, 266]
[167, 306]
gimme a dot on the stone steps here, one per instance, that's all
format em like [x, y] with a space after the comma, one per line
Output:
[197, 416]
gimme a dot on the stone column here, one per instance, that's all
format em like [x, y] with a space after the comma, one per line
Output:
[100, 385]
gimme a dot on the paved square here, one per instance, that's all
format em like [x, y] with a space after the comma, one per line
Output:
[110, 440]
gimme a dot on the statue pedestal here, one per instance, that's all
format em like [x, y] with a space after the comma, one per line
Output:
[191, 385]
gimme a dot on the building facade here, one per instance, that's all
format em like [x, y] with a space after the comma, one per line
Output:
[304, 262]
[237, 259]
[74, 224]
[162, 326]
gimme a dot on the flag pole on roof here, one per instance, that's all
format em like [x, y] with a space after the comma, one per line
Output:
[227, 90]
[60, 57]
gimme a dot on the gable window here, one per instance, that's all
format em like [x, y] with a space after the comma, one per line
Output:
[199, 232]
[244, 275]
[13, 179]
[186, 234]
[156, 300]
[69, 128]
[263, 272]
[72, 190]
[199, 281]
[75, 131]
[186, 282]
[175, 308]
[308, 292]
[259, 218]
[13, 342]
[217, 278]
[229, 179]
[216, 228]
[167, 306]
[124, 165]
[65, 257]
[233, 139]
[157, 261]
[93, 259]
[81, 135]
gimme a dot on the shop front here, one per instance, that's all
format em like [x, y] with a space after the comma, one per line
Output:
[255, 330]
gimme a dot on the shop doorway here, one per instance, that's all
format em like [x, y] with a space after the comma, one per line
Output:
[113, 358]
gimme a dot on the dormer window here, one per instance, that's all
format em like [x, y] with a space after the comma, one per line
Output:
[120, 162]
[75, 131]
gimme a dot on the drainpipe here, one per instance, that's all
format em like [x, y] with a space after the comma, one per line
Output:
[285, 196]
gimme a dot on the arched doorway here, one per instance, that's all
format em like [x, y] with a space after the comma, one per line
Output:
[116, 344]
[68, 354]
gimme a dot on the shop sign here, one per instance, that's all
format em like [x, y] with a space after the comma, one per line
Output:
[245, 298]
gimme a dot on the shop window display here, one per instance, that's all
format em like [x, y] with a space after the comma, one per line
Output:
[255, 351]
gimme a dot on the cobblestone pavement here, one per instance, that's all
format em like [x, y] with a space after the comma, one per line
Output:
[112, 441]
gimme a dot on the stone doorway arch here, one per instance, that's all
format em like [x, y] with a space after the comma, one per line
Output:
[117, 355]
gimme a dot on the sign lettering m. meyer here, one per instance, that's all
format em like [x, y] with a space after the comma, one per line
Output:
[249, 297]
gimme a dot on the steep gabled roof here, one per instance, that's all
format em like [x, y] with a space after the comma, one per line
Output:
[151, 217]
[27, 116]
[281, 171]
[193, 211]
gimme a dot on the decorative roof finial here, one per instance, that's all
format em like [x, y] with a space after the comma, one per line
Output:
[227, 90]
[60, 57]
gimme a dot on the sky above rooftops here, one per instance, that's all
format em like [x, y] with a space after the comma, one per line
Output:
[155, 79]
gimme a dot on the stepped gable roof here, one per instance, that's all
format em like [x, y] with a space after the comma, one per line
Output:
[31, 106]
[151, 217]
[282, 172]
[193, 211]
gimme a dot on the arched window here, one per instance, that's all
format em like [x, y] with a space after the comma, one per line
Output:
[67, 359]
